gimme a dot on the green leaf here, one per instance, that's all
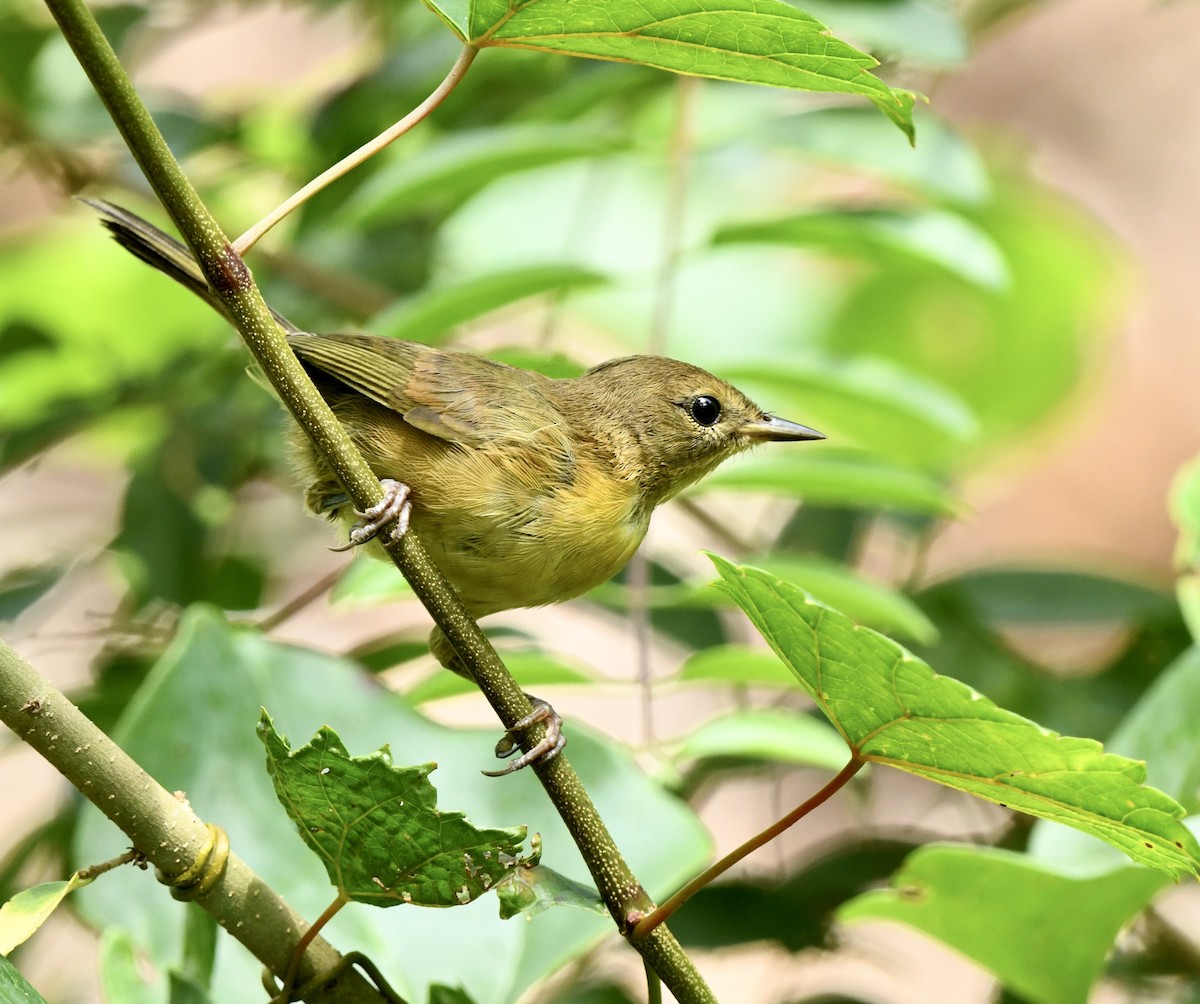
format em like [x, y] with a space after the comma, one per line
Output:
[944, 164]
[772, 736]
[752, 41]
[13, 987]
[1059, 596]
[460, 165]
[910, 30]
[434, 313]
[1044, 934]
[886, 237]
[530, 669]
[532, 890]
[891, 708]
[748, 909]
[23, 587]
[864, 601]
[377, 827]
[1184, 501]
[830, 477]
[31, 908]
[367, 581]
[737, 664]
[864, 401]
[123, 975]
[192, 727]
[1161, 729]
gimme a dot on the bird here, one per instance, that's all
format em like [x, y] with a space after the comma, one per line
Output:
[526, 490]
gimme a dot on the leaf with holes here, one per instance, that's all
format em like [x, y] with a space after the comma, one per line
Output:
[377, 827]
[893, 709]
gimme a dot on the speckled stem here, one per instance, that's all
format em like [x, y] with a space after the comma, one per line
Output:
[232, 282]
[162, 827]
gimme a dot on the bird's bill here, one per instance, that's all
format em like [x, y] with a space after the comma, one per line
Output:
[780, 430]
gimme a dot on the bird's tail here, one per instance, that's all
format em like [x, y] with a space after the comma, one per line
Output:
[164, 252]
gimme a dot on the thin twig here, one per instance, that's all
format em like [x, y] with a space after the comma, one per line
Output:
[233, 285]
[652, 920]
[363, 153]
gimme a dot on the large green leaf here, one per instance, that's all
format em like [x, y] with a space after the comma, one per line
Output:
[192, 727]
[752, 41]
[863, 401]
[13, 987]
[867, 602]
[376, 826]
[892, 708]
[433, 314]
[1059, 596]
[831, 477]
[464, 163]
[31, 908]
[944, 164]
[886, 236]
[1044, 934]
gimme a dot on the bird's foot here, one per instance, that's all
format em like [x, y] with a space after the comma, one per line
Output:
[394, 509]
[542, 752]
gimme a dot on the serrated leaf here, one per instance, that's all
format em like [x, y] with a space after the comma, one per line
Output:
[752, 41]
[935, 236]
[532, 890]
[530, 669]
[865, 602]
[29, 909]
[13, 987]
[1044, 934]
[892, 708]
[377, 827]
[835, 478]
[184, 698]
[772, 736]
[433, 314]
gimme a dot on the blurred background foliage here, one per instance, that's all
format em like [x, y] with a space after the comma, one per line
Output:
[933, 310]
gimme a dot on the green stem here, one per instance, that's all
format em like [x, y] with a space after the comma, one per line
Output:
[367, 150]
[233, 284]
[161, 827]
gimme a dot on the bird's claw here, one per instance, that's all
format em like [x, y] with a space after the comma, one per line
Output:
[394, 508]
[542, 752]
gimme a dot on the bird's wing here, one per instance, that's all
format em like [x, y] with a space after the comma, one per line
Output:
[456, 396]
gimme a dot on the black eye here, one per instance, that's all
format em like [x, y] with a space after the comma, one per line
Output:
[705, 410]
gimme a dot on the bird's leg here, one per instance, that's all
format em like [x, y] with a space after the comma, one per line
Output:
[542, 752]
[394, 508]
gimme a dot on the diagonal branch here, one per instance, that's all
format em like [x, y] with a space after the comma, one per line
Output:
[233, 284]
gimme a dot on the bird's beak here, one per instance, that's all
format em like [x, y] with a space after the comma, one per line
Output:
[779, 430]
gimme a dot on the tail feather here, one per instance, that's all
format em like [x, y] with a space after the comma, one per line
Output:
[144, 240]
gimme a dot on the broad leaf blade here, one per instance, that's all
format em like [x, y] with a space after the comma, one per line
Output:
[855, 479]
[751, 41]
[892, 708]
[13, 987]
[377, 827]
[1043, 933]
[432, 315]
[29, 909]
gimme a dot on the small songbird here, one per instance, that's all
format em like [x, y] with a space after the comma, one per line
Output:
[526, 490]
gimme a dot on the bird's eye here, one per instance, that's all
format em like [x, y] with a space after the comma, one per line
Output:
[705, 410]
